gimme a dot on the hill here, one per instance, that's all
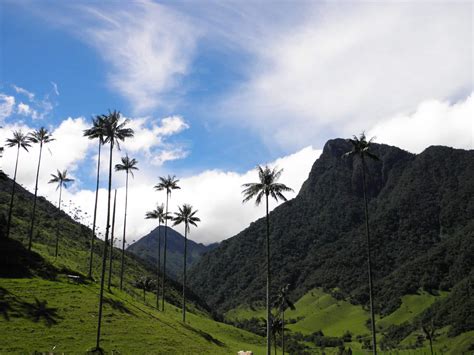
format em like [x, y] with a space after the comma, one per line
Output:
[42, 309]
[421, 209]
[146, 248]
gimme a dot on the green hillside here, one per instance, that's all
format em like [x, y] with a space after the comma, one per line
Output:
[41, 309]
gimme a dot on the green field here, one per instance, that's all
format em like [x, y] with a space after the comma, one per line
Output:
[68, 321]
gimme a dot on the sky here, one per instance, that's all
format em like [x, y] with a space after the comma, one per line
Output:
[214, 88]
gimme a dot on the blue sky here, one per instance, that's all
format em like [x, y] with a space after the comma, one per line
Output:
[214, 88]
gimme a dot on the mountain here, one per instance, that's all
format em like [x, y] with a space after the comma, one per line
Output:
[147, 248]
[422, 228]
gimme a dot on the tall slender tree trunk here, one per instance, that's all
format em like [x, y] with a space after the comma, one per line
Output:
[369, 262]
[104, 256]
[158, 266]
[283, 332]
[184, 270]
[10, 211]
[124, 233]
[164, 257]
[33, 213]
[112, 242]
[431, 346]
[268, 281]
[57, 221]
[95, 213]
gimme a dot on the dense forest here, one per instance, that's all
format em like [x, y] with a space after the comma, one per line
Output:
[421, 208]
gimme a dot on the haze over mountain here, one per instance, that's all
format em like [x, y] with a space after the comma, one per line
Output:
[147, 249]
[421, 208]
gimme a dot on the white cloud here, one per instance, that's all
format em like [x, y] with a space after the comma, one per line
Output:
[7, 104]
[148, 48]
[342, 71]
[22, 91]
[433, 123]
[25, 110]
[168, 155]
[55, 88]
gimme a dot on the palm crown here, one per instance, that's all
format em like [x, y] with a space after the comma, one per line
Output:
[361, 146]
[97, 129]
[283, 302]
[113, 131]
[268, 186]
[20, 140]
[40, 136]
[128, 165]
[158, 213]
[186, 215]
[61, 179]
[167, 183]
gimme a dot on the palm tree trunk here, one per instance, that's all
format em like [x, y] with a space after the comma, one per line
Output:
[112, 242]
[158, 266]
[369, 262]
[57, 221]
[95, 214]
[283, 332]
[124, 232]
[431, 345]
[104, 256]
[13, 193]
[184, 270]
[164, 257]
[33, 213]
[268, 281]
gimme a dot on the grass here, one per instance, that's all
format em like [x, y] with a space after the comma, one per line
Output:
[412, 305]
[67, 322]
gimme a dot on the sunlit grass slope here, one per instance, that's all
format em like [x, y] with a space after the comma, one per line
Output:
[60, 316]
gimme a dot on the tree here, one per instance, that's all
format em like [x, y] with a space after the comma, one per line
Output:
[62, 180]
[145, 283]
[361, 149]
[282, 303]
[267, 186]
[112, 241]
[95, 132]
[128, 165]
[167, 184]
[160, 215]
[187, 216]
[19, 140]
[114, 131]
[41, 137]
[429, 331]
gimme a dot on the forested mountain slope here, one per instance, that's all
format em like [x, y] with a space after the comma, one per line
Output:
[421, 216]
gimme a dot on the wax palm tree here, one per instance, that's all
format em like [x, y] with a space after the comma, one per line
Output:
[19, 140]
[112, 241]
[145, 283]
[41, 137]
[61, 180]
[360, 148]
[160, 215]
[267, 186]
[114, 132]
[187, 216]
[282, 304]
[167, 184]
[95, 132]
[128, 165]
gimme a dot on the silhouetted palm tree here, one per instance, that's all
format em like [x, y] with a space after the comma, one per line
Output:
[360, 148]
[19, 140]
[160, 215]
[62, 180]
[114, 132]
[267, 186]
[95, 132]
[128, 165]
[145, 283]
[168, 184]
[282, 303]
[187, 216]
[112, 241]
[41, 137]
